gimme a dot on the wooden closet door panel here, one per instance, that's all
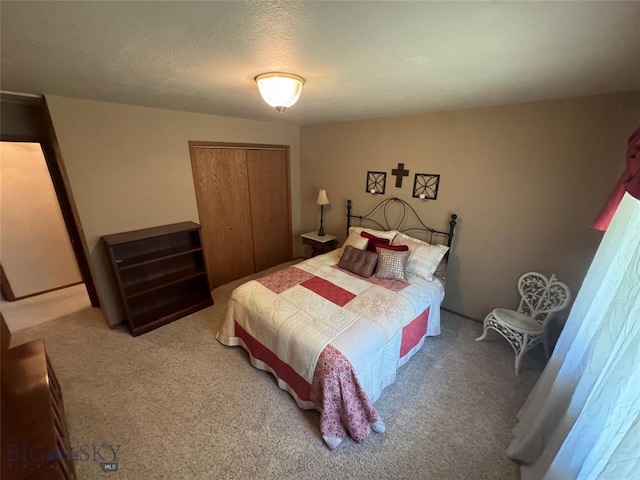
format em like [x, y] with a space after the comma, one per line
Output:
[220, 177]
[268, 172]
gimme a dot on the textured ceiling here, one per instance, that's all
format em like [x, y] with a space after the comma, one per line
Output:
[360, 59]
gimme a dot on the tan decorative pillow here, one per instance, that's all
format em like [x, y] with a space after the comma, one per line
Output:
[356, 241]
[441, 271]
[391, 264]
[360, 262]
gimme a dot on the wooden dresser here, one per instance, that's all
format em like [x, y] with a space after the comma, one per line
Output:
[35, 440]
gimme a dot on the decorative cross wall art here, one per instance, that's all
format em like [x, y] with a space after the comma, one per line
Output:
[425, 186]
[399, 173]
[376, 182]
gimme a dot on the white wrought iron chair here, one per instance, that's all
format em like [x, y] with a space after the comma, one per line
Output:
[527, 327]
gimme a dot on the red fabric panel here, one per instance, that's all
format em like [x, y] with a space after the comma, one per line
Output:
[413, 332]
[328, 290]
[629, 182]
[284, 371]
[346, 409]
[283, 280]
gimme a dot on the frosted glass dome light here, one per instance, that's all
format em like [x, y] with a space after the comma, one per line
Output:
[280, 90]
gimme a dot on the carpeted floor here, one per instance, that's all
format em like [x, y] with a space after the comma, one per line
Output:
[182, 406]
[32, 311]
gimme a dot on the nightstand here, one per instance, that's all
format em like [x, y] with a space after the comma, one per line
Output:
[319, 244]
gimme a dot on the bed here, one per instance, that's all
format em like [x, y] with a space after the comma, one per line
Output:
[333, 338]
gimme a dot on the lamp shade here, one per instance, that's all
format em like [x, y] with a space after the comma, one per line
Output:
[280, 90]
[322, 197]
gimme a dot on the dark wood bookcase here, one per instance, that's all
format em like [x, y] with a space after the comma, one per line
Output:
[160, 273]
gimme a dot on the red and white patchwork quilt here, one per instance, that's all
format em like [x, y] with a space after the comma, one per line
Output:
[334, 340]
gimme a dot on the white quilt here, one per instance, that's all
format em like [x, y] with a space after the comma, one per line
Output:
[297, 313]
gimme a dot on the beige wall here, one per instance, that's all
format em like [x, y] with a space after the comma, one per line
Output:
[36, 250]
[129, 168]
[526, 181]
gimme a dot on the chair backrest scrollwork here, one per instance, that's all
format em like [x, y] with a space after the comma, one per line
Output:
[541, 297]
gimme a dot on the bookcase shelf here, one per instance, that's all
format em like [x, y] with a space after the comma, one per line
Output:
[156, 256]
[152, 285]
[160, 273]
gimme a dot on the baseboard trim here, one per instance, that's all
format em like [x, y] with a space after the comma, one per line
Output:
[39, 293]
[462, 315]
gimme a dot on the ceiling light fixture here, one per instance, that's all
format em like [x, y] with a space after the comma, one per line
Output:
[280, 90]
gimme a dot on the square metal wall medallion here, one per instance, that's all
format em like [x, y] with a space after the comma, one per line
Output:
[376, 182]
[425, 186]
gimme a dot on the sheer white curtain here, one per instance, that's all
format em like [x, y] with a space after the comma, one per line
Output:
[582, 419]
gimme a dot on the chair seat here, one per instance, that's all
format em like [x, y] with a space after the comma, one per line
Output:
[518, 321]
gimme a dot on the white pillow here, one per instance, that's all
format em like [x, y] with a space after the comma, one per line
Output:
[424, 261]
[424, 257]
[403, 239]
[388, 235]
[356, 241]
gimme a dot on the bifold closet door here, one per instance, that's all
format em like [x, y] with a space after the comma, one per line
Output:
[222, 193]
[268, 173]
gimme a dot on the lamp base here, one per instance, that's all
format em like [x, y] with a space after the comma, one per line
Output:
[321, 231]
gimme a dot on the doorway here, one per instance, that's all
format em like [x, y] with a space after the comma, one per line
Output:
[36, 255]
[27, 126]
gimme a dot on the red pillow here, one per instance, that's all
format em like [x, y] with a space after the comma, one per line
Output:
[374, 241]
[395, 248]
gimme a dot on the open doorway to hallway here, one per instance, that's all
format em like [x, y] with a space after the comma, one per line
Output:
[41, 280]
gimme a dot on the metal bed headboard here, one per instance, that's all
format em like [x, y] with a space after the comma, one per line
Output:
[381, 211]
